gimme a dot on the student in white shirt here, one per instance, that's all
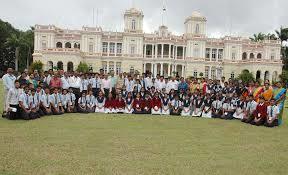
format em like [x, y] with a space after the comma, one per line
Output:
[55, 102]
[148, 82]
[12, 102]
[129, 84]
[65, 82]
[90, 102]
[272, 114]
[45, 104]
[82, 103]
[71, 102]
[35, 104]
[250, 108]
[227, 110]
[106, 86]
[8, 83]
[95, 82]
[176, 106]
[24, 103]
[217, 107]
[84, 84]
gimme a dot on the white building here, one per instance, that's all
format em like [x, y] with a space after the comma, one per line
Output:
[161, 52]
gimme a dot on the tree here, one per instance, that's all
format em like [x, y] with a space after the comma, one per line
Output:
[36, 65]
[258, 37]
[14, 41]
[246, 76]
[83, 67]
[284, 76]
[282, 34]
[201, 74]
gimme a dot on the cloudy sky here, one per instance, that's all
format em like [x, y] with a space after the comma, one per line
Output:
[238, 17]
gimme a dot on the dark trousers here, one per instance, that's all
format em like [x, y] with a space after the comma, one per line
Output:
[95, 91]
[271, 125]
[258, 123]
[13, 115]
[77, 93]
[106, 92]
[29, 115]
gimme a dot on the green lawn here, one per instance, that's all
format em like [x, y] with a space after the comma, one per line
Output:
[113, 144]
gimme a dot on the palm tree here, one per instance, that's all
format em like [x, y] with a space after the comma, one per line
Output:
[14, 41]
[282, 34]
[258, 37]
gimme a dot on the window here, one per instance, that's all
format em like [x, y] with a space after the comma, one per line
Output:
[44, 45]
[213, 73]
[68, 45]
[104, 47]
[206, 73]
[91, 48]
[133, 25]
[131, 69]
[111, 66]
[207, 53]
[132, 50]
[244, 56]
[251, 56]
[197, 29]
[220, 54]
[232, 75]
[214, 51]
[195, 74]
[272, 55]
[119, 47]
[118, 68]
[58, 45]
[112, 48]
[233, 55]
[196, 52]
[259, 56]
[104, 66]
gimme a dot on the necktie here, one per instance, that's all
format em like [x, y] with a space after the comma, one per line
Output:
[47, 99]
[27, 100]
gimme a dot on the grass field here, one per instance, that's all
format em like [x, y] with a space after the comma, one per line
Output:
[121, 144]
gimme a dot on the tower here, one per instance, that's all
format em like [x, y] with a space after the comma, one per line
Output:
[133, 21]
[195, 25]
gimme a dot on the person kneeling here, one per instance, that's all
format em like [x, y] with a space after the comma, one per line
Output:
[227, 110]
[260, 114]
[55, 102]
[82, 103]
[46, 102]
[119, 104]
[156, 105]
[186, 106]
[146, 104]
[176, 106]
[273, 112]
[110, 104]
[90, 100]
[25, 105]
[217, 108]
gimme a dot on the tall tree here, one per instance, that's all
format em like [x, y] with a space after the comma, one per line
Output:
[258, 37]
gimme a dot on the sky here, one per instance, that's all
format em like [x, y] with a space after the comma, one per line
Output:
[224, 17]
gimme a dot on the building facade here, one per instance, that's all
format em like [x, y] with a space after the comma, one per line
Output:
[190, 54]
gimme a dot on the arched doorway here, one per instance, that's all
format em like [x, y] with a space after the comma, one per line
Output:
[68, 45]
[58, 45]
[266, 75]
[50, 65]
[259, 56]
[251, 55]
[258, 75]
[70, 67]
[60, 65]
[244, 56]
[275, 76]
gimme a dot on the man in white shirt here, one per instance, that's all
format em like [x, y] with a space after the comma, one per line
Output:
[272, 114]
[129, 84]
[172, 84]
[106, 86]
[148, 82]
[65, 83]
[75, 83]
[250, 108]
[95, 82]
[45, 102]
[8, 83]
[12, 102]
[25, 106]
[160, 84]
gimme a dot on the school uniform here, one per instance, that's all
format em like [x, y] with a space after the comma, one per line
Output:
[35, 103]
[272, 114]
[165, 106]
[84, 85]
[96, 85]
[82, 105]
[90, 103]
[109, 106]
[129, 106]
[216, 109]
[207, 108]
[146, 106]
[186, 108]
[65, 101]
[72, 101]
[260, 114]
[119, 106]
[240, 110]
[156, 105]
[176, 106]
[25, 100]
[250, 108]
[46, 104]
[124, 93]
[56, 101]
[137, 106]
[198, 107]
[12, 103]
[100, 105]
[228, 111]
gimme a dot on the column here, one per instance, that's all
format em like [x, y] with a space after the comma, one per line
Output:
[182, 73]
[153, 51]
[115, 49]
[169, 51]
[156, 50]
[144, 71]
[145, 50]
[161, 69]
[176, 52]
[169, 72]
[108, 49]
[114, 67]
[162, 50]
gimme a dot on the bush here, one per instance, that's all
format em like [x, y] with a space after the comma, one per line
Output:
[284, 76]
[246, 76]
[36, 65]
[83, 67]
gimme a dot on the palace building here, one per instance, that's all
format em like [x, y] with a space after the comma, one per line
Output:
[161, 52]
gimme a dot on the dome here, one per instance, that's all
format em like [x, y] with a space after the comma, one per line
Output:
[196, 14]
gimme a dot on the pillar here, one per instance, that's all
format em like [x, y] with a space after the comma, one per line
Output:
[169, 72]
[145, 50]
[156, 51]
[161, 69]
[183, 56]
[115, 49]
[144, 71]
[162, 50]
[108, 48]
[114, 67]
[169, 51]
[182, 71]
[153, 47]
[176, 52]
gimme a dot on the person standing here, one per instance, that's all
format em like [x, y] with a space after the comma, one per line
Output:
[8, 83]
[12, 102]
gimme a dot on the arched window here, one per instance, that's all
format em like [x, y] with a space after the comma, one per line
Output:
[132, 70]
[266, 75]
[244, 56]
[68, 45]
[251, 55]
[258, 75]
[259, 56]
[75, 46]
[70, 67]
[133, 24]
[275, 76]
[60, 65]
[197, 29]
[58, 45]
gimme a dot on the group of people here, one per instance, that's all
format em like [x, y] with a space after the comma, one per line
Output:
[30, 96]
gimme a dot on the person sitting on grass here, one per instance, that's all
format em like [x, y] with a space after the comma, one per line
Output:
[71, 102]
[46, 102]
[176, 106]
[90, 99]
[240, 108]
[207, 113]
[250, 108]
[82, 103]
[35, 104]
[55, 102]
[110, 104]
[260, 114]
[227, 109]
[272, 114]
[186, 106]
[156, 105]
[198, 106]
[137, 102]
[146, 104]
[217, 107]
[65, 100]
[119, 104]
[129, 103]
[165, 105]
[100, 103]
[25, 105]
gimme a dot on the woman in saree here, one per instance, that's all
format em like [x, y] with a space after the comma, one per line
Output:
[258, 90]
[267, 93]
[279, 94]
